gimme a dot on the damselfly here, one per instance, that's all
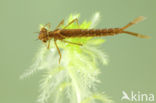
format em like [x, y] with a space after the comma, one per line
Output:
[61, 34]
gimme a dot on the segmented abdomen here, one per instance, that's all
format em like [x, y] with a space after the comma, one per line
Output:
[89, 32]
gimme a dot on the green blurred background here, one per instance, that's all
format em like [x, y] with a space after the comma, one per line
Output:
[132, 65]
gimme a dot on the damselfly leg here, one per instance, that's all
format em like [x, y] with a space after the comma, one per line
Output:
[58, 50]
[61, 23]
[74, 20]
[72, 43]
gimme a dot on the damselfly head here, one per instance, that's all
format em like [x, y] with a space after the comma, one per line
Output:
[43, 34]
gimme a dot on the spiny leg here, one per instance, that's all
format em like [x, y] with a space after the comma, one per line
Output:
[74, 20]
[48, 44]
[58, 50]
[138, 19]
[48, 25]
[61, 23]
[72, 43]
